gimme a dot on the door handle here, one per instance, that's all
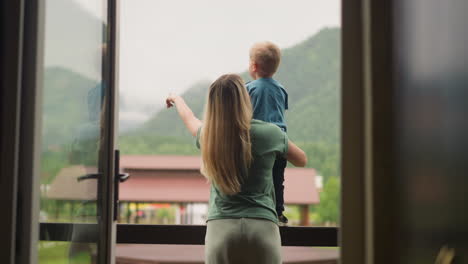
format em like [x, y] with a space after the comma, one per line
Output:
[89, 176]
[123, 177]
[119, 177]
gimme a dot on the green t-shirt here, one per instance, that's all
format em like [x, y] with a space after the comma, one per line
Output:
[257, 196]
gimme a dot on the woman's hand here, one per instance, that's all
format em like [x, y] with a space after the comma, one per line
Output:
[191, 122]
[170, 100]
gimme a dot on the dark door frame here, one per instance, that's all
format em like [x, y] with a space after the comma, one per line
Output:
[367, 212]
[106, 184]
[10, 73]
[352, 238]
[20, 126]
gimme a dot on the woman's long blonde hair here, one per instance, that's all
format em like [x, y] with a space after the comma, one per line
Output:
[225, 139]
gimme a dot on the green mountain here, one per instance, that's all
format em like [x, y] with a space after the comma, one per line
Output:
[310, 72]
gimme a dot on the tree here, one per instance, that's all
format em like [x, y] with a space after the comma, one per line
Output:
[328, 208]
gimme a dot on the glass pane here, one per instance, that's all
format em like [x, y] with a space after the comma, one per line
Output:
[166, 48]
[72, 122]
[136, 253]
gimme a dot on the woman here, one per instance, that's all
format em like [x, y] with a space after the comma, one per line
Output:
[238, 154]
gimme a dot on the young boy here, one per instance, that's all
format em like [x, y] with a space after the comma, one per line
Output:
[269, 101]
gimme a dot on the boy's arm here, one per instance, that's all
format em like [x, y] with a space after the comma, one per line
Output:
[191, 122]
[296, 155]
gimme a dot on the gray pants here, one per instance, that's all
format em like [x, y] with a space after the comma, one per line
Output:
[242, 241]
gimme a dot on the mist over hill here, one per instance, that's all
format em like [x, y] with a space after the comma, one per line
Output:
[310, 72]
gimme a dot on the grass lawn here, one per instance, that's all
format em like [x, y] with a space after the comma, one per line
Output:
[58, 253]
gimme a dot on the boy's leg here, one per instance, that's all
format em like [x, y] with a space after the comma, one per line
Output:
[278, 181]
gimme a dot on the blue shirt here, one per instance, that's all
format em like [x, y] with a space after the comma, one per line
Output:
[269, 101]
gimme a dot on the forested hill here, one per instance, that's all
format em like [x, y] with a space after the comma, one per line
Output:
[310, 73]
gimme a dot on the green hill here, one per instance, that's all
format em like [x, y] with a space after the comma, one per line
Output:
[310, 72]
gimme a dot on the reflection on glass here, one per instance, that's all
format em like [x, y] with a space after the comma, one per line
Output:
[166, 186]
[72, 122]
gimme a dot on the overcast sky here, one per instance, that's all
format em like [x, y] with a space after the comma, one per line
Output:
[168, 45]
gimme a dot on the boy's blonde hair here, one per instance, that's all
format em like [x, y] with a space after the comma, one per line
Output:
[267, 56]
[225, 137]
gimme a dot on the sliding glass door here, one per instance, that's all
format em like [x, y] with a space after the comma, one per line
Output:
[77, 157]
